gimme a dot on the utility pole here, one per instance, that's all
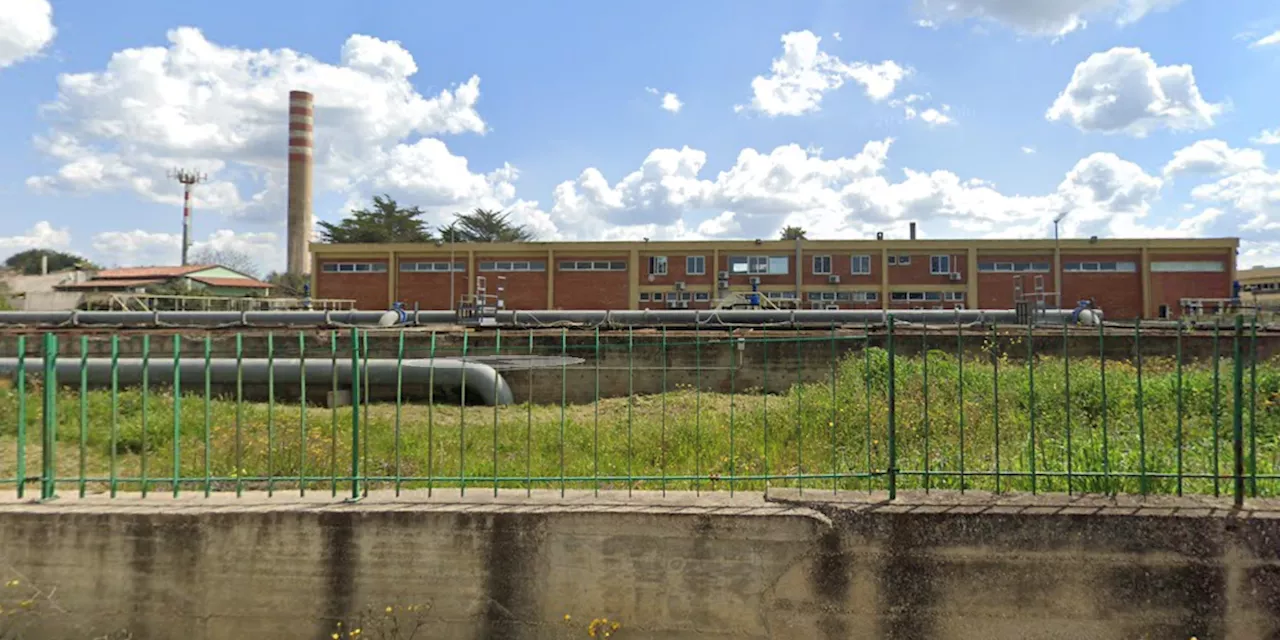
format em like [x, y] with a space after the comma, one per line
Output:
[1057, 257]
[188, 180]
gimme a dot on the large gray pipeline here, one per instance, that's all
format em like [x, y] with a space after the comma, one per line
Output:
[480, 381]
[521, 319]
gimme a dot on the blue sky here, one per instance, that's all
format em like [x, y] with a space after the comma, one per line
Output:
[963, 116]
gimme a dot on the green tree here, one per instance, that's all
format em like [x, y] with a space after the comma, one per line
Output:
[486, 225]
[793, 233]
[28, 262]
[385, 222]
[287, 284]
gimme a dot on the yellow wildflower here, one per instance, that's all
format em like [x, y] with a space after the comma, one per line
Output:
[12, 583]
[334, 636]
[388, 609]
[26, 604]
[355, 633]
[567, 617]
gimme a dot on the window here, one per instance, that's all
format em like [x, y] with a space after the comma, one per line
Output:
[821, 265]
[522, 265]
[860, 265]
[842, 296]
[921, 296]
[695, 265]
[758, 265]
[657, 297]
[1187, 266]
[953, 296]
[701, 296]
[1105, 267]
[657, 265]
[428, 267]
[780, 295]
[351, 267]
[593, 265]
[940, 265]
[904, 260]
[1164, 312]
[644, 297]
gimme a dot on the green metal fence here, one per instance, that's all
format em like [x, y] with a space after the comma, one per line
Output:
[848, 409]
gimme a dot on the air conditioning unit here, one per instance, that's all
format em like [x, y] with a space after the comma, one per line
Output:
[955, 277]
[754, 280]
[833, 279]
[679, 286]
[724, 275]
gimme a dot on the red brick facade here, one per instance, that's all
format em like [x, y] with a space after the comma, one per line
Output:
[615, 275]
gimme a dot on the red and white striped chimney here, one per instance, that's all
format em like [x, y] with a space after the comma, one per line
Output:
[301, 121]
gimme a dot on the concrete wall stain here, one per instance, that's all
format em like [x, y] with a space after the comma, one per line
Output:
[908, 599]
[140, 530]
[511, 558]
[341, 564]
[1193, 595]
[831, 574]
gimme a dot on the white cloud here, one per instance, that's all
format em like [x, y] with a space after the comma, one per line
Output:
[1258, 253]
[1029, 150]
[671, 103]
[1123, 91]
[931, 116]
[803, 74]
[1267, 41]
[935, 117]
[1213, 157]
[1039, 18]
[26, 28]
[836, 36]
[223, 111]
[42, 235]
[1267, 136]
[148, 248]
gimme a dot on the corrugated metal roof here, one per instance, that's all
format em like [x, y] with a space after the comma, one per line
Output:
[152, 272]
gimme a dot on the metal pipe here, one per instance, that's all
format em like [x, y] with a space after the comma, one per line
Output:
[481, 381]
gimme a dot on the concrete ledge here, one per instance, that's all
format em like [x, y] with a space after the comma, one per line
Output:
[936, 565]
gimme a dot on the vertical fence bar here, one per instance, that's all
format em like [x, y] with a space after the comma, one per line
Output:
[1178, 400]
[764, 342]
[834, 356]
[271, 413]
[302, 414]
[1102, 375]
[1217, 410]
[49, 417]
[355, 413]
[115, 407]
[733, 383]
[893, 426]
[866, 379]
[333, 413]
[1031, 403]
[595, 447]
[22, 418]
[995, 399]
[1253, 407]
[497, 350]
[208, 414]
[400, 401]
[1237, 413]
[177, 413]
[146, 393]
[431, 416]
[662, 460]
[564, 373]
[239, 455]
[1142, 423]
[528, 427]
[1066, 399]
[960, 395]
[697, 410]
[631, 393]
[797, 416]
[924, 351]
[366, 397]
[84, 408]
[462, 424]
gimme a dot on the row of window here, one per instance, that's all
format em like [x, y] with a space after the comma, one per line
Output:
[596, 265]
[354, 267]
[429, 267]
[1100, 267]
[1012, 267]
[843, 296]
[926, 296]
[658, 296]
[520, 265]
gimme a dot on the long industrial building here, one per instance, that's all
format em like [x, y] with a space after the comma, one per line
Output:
[1126, 278]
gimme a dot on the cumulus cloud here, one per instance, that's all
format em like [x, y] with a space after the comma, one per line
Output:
[911, 109]
[1028, 150]
[1213, 157]
[223, 111]
[1267, 136]
[145, 248]
[800, 78]
[41, 235]
[670, 101]
[26, 28]
[1123, 91]
[1267, 41]
[1051, 18]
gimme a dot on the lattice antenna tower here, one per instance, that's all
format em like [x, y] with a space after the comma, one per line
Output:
[188, 179]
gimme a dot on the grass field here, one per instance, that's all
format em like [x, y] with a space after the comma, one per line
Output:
[832, 434]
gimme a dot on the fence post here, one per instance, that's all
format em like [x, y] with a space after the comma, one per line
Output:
[49, 433]
[1237, 413]
[355, 413]
[893, 427]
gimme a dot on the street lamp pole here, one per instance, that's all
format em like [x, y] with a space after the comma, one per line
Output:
[1057, 256]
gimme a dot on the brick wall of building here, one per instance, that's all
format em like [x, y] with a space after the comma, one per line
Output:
[1118, 294]
[995, 290]
[369, 290]
[592, 289]
[1168, 288]
[917, 271]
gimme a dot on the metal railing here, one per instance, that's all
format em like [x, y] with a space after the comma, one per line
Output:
[901, 407]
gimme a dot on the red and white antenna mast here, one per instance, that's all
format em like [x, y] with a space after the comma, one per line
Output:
[188, 180]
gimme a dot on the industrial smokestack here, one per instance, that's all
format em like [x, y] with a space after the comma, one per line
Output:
[301, 121]
[913, 231]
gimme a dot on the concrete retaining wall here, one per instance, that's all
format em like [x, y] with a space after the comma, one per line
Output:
[675, 567]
